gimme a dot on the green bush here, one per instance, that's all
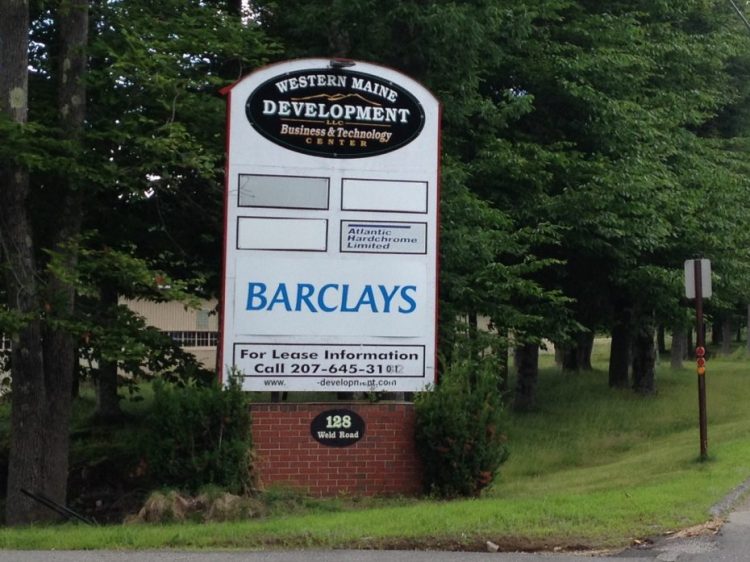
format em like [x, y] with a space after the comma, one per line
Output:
[459, 431]
[199, 435]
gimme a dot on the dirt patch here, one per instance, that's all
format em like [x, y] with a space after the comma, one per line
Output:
[709, 528]
[477, 544]
[443, 543]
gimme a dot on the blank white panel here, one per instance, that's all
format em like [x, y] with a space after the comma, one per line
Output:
[262, 233]
[286, 192]
[384, 195]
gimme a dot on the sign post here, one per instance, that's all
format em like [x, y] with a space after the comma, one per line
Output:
[331, 233]
[698, 285]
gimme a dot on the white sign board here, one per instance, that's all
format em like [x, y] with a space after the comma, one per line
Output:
[331, 232]
[705, 266]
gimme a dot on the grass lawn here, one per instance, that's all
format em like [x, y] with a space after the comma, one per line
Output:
[592, 468]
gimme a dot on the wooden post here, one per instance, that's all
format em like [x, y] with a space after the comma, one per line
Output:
[700, 359]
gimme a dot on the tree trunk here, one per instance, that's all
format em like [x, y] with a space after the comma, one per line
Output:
[28, 396]
[75, 390]
[679, 345]
[42, 356]
[644, 358]
[559, 354]
[577, 356]
[59, 344]
[502, 354]
[474, 351]
[235, 7]
[619, 357]
[14, 61]
[748, 327]
[661, 338]
[585, 349]
[726, 336]
[715, 333]
[501, 350]
[527, 357]
[107, 399]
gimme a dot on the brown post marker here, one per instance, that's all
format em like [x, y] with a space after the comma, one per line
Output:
[700, 352]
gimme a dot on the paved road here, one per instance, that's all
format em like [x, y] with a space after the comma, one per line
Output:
[731, 544]
[302, 556]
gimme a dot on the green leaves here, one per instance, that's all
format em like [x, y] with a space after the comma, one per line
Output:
[460, 431]
[589, 147]
[199, 436]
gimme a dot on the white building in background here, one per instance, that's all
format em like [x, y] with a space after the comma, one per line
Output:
[195, 330]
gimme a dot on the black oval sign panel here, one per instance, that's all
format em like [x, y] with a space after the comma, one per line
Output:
[337, 428]
[335, 113]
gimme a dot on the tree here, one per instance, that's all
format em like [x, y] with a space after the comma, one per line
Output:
[43, 353]
[40, 396]
[620, 349]
[18, 258]
[489, 263]
[619, 166]
[60, 167]
[584, 144]
[158, 118]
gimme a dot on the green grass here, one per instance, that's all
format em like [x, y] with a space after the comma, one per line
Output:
[628, 465]
[592, 467]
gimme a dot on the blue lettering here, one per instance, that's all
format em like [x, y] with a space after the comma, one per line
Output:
[255, 298]
[280, 297]
[367, 298]
[344, 298]
[387, 297]
[304, 292]
[332, 297]
[321, 297]
[408, 299]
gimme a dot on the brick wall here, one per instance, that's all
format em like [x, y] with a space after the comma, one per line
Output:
[383, 462]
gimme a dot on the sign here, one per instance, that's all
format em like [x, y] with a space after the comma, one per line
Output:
[332, 367]
[335, 113]
[331, 230]
[705, 266]
[285, 296]
[383, 237]
[337, 428]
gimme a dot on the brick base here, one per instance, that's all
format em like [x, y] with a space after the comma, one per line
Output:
[383, 462]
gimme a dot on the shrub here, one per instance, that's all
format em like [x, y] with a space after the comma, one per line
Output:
[199, 435]
[459, 431]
